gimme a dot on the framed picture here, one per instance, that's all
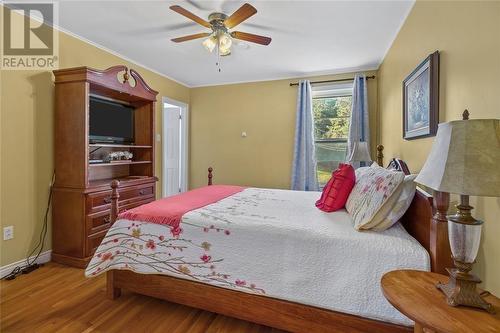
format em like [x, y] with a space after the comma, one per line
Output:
[421, 99]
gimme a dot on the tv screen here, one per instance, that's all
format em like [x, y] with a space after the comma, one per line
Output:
[110, 122]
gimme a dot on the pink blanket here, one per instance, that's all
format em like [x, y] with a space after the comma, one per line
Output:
[170, 210]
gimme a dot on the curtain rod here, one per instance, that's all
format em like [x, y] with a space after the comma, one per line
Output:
[328, 81]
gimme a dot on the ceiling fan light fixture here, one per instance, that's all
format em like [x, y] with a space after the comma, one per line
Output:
[224, 52]
[225, 43]
[210, 43]
[220, 38]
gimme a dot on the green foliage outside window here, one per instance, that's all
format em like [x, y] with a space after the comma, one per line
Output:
[331, 117]
[331, 128]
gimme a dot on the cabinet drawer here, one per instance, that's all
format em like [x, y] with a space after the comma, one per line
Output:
[101, 221]
[101, 200]
[98, 221]
[135, 193]
[93, 242]
[134, 204]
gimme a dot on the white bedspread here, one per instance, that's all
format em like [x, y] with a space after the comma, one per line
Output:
[272, 242]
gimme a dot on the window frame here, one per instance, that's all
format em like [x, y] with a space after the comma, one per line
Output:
[331, 91]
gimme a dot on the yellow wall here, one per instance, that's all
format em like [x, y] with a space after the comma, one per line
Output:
[467, 35]
[26, 120]
[266, 111]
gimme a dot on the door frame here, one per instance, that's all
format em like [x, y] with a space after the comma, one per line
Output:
[184, 172]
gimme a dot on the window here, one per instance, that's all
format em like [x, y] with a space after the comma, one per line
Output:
[331, 111]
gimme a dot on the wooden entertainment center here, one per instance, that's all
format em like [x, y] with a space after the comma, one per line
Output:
[81, 193]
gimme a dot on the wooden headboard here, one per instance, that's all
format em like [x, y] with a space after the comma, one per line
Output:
[425, 220]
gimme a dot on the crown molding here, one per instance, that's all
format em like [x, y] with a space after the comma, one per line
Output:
[298, 76]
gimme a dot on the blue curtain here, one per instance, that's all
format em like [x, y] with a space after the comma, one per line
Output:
[359, 127]
[304, 160]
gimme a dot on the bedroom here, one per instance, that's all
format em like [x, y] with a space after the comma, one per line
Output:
[231, 125]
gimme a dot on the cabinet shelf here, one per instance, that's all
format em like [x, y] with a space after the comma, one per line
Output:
[111, 145]
[118, 163]
[124, 181]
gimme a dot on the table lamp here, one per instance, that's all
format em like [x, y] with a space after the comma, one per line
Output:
[465, 160]
[360, 153]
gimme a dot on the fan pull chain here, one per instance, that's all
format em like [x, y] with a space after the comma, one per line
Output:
[218, 57]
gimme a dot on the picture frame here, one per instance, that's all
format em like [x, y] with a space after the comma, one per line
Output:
[421, 99]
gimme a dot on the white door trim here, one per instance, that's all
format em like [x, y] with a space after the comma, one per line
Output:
[184, 144]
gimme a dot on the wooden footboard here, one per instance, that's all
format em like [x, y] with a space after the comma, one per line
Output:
[289, 316]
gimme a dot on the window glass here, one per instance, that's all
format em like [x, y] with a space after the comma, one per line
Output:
[331, 127]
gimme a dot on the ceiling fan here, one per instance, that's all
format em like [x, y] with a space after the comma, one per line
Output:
[220, 37]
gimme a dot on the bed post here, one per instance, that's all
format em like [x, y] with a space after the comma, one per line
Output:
[439, 243]
[111, 291]
[380, 155]
[114, 200]
[210, 176]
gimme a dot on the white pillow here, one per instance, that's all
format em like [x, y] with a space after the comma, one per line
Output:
[374, 186]
[399, 206]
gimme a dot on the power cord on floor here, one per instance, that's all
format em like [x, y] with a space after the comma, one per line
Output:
[31, 265]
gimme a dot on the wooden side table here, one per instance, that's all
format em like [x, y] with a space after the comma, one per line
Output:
[414, 294]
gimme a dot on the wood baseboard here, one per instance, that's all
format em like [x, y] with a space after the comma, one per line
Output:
[70, 261]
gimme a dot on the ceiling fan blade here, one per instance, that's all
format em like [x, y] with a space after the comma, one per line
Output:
[251, 37]
[191, 16]
[240, 15]
[190, 37]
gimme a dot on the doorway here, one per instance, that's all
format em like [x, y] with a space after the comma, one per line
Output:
[175, 147]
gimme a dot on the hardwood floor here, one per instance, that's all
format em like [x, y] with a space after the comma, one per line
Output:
[58, 298]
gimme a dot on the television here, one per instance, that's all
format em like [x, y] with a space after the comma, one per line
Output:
[110, 122]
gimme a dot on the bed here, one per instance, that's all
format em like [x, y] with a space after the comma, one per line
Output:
[269, 256]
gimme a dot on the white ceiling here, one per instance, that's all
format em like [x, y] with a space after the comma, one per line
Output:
[309, 37]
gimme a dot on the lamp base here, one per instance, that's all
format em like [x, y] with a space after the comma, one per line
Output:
[461, 290]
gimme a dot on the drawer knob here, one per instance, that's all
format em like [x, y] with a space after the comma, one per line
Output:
[141, 192]
[106, 219]
[107, 200]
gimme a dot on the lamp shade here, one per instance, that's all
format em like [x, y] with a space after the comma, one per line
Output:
[465, 158]
[210, 43]
[360, 153]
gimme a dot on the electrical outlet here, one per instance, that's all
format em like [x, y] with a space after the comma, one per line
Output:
[8, 232]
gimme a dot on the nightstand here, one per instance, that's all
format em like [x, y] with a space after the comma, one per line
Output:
[414, 294]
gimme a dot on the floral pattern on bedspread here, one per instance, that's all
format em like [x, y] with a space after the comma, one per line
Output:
[138, 247]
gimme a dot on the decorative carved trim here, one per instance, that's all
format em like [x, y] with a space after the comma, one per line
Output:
[108, 78]
[125, 77]
[140, 80]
